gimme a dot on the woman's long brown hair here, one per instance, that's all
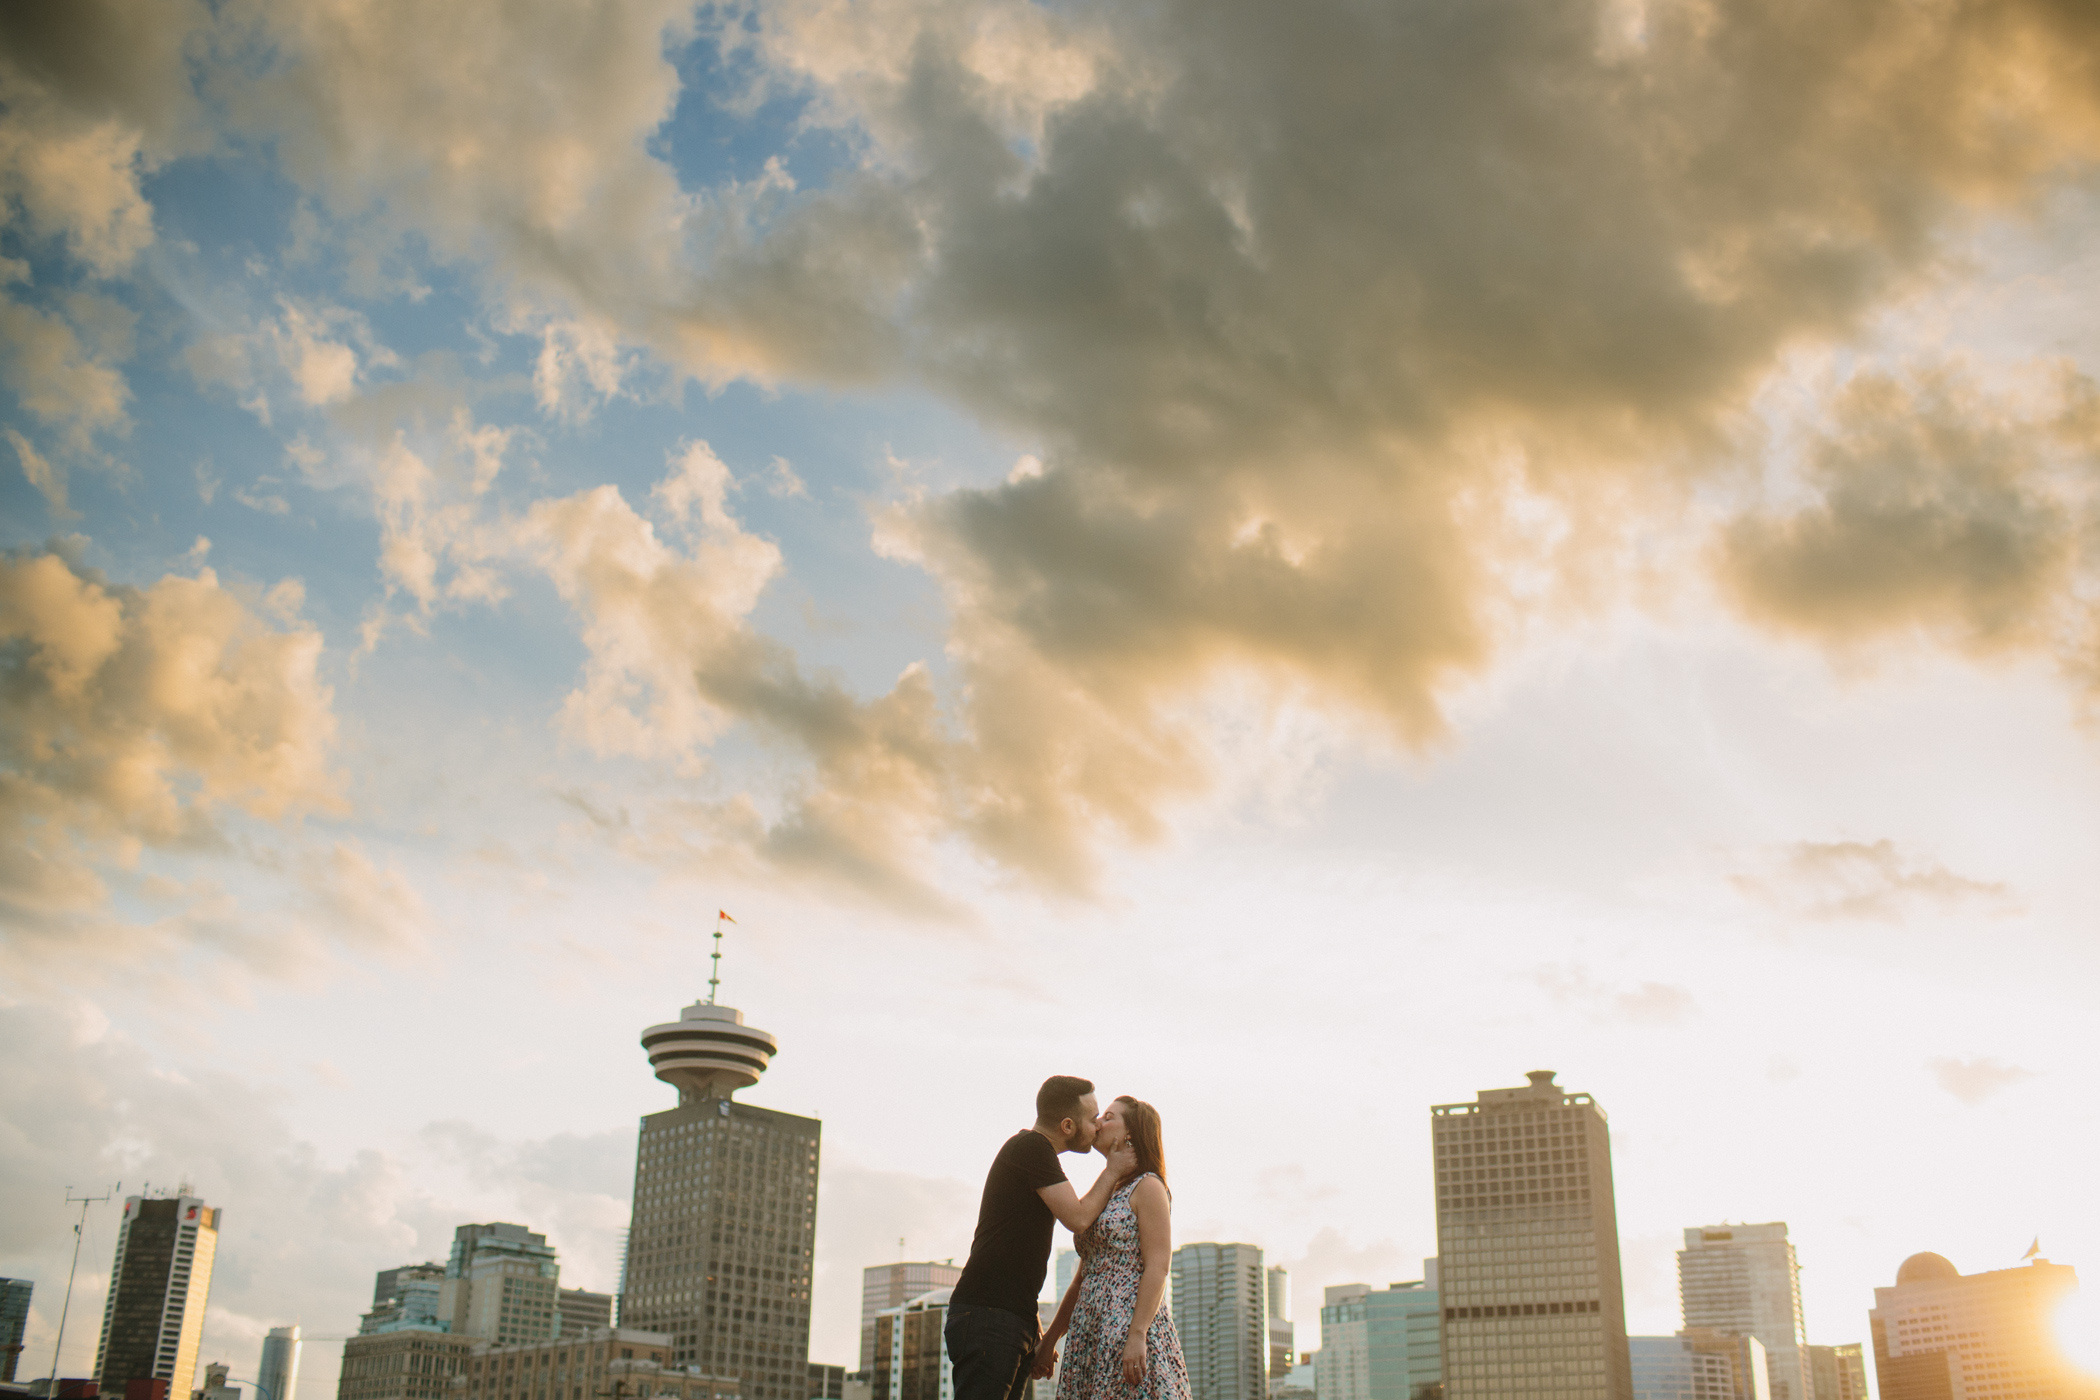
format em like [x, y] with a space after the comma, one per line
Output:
[1141, 1121]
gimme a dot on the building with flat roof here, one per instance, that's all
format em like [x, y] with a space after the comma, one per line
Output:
[1745, 1279]
[1283, 1333]
[1528, 1247]
[153, 1320]
[1380, 1344]
[403, 1363]
[1699, 1364]
[723, 1234]
[1940, 1334]
[1220, 1294]
[502, 1283]
[14, 1321]
[581, 1310]
[1839, 1372]
[410, 1298]
[888, 1286]
[911, 1350]
[607, 1363]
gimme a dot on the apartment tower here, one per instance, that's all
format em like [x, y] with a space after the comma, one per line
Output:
[14, 1321]
[1283, 1333]
[154, 1318]
[725, 1211]
[1744, 1279]
[1221, 1313]
[892, 1286]
[1528, 1244]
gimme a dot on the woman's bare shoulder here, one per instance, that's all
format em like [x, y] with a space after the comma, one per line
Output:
[1150, 1190]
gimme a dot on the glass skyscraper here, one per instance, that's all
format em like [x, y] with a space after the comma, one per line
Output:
[1221, 1313]
[1528, 1246]
[1745, 1279]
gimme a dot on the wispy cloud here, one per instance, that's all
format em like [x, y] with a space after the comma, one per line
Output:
[1863, 880]
[1973, 1081]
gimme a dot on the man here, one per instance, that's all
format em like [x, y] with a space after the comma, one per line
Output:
[992, 1322]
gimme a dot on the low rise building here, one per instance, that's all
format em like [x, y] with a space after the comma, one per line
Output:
[1840, 1372]
[402, 1363]
[1699, 1363]
[1381, 1344]
[911, 1352]
[610, 1363]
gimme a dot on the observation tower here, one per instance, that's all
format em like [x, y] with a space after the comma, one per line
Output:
[708, 1052]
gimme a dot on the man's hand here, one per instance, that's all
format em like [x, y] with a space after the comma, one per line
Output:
[1134, 1360]
[1045, 1360]
[1123, 1160]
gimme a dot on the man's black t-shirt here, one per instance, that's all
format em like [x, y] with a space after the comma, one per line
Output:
[1011, 1251]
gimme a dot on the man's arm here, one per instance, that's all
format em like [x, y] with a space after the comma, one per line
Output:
[1076, 1212]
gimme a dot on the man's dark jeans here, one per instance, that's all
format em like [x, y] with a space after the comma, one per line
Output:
[992, 1351]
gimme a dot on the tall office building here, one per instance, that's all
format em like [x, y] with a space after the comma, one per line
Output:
[407, 1299]
[1283, 1333]
[1221, 1313]
[277, 1372]
[1839, 1373]
[583, 1311]
[911, 1350]
[1528, 1247]
[1380, 1344]
[1699, 1364]
[160, 1281]
[1940, 1334]
[1745, 1279]
[502, 1283]
[14, 1321]
[893, 1285]
[725, 1211]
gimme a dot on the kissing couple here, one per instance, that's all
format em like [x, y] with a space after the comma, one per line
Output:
[1119, 1335]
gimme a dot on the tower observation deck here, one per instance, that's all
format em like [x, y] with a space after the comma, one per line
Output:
[708, 1052]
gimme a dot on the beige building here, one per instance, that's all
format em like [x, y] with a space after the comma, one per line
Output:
[1528, 1244]
[407, 1363]
[502, 1284]
[153, 1320]
[1840, 1372]
[1940, 1334]
[604, 1364]
[1745, 1279]
[893, 1285]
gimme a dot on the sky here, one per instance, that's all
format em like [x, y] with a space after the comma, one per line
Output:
[1299, 561]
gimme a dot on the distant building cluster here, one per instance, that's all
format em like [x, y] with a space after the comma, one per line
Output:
[1522, 1301]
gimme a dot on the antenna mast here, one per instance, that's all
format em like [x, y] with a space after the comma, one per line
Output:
[79, 1233]
[714, 976]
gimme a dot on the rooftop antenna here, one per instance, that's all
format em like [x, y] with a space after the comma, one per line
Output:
[714, 976]
[79, 1233]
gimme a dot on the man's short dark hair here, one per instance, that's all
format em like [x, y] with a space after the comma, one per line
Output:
[1059, 1098]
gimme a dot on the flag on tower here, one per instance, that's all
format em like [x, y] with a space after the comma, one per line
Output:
[723, 914]
[2034, 1250]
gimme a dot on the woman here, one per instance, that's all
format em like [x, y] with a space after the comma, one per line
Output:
[1122, 1340]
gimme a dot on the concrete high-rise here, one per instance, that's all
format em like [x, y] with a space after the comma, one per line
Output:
[159, 1284]
[1221, 1313]
[1528, 1247]
[277, 1372]
[1283, 1333]
[1839, 1372]
[1940, 1334]
[14, 1321]
[502, 1284]
[893, 1285]
[1380, 1344]
[1745, 1279]
[1699, 1364]
[911, 1350]
[583, 1311]
[723, 1234]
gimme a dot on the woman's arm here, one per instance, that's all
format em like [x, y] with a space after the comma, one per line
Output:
[1156, 1249]
[1046, 1349]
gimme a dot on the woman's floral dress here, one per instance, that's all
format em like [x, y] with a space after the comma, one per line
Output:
[1092, 1367]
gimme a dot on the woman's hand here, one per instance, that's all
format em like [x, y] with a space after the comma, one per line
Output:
[1045, 1359]
[1134, 1360]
